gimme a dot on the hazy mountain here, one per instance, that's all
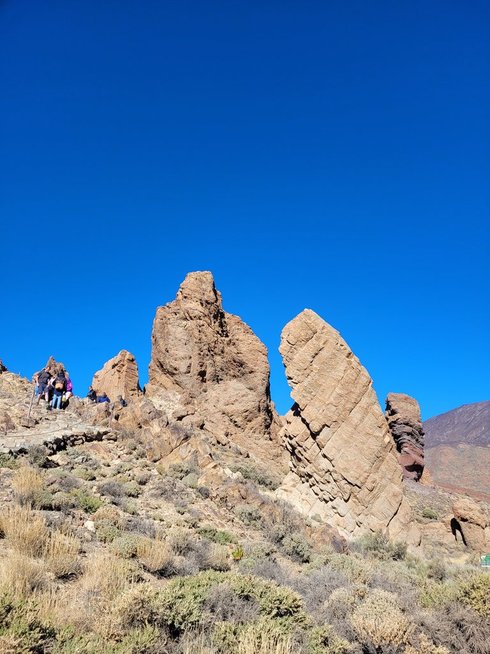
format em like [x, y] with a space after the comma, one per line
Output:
[457, 448]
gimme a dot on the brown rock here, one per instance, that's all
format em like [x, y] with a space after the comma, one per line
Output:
[119, 376]
[343, 464]
[472, 522]
[405, 423]
[213, 360]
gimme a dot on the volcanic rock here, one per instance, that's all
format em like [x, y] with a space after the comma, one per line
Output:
[405, 423]
[473, 523]
[119, 376]
[343, 462]
[213, 360]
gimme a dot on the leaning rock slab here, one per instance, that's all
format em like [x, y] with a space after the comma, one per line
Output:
[119, 376]
[405, 423]
[343, 463]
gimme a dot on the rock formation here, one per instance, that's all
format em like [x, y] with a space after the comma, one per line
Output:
[343, 463]
[119, 376]
[405, 423]
[213, 360]
[473, 524]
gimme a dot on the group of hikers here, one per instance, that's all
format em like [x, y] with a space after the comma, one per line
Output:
[54, 386]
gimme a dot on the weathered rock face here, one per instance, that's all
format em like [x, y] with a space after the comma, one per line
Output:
[119, 376]
[473, 524]
[212, 359]
[343, 464]
[405, 423]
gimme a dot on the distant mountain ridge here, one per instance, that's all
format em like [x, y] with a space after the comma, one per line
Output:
[457, 449]
[468, 424]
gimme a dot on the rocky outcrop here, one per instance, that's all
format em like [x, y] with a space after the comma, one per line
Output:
[119, 376]
[405, 423]
[213, 361]
[474, 525]
[343, 463]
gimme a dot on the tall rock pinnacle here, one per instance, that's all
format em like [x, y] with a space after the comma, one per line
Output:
[405, 423]
[213, 359]
[343, 463]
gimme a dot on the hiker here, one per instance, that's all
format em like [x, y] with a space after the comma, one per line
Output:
[92, 395]
[68, 386]
[102, 398]
[122, 401]
[59, 385]
[42, 379]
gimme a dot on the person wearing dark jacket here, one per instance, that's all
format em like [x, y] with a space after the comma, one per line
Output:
[102, 398]
[59, 385]
[92, 395]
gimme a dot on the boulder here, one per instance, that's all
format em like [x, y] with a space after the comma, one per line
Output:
[405, 423]
[474, 525]
[343, 463]
[213, 361]
[119, 376]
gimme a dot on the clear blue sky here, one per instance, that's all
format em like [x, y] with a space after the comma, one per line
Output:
[331, 155]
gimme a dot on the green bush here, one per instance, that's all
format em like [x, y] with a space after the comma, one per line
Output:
[88, 503]
[258, 475]
[429, 513]
[380, 547]
[215, 535]
[8, 461]
[475, 593]
[179, 606]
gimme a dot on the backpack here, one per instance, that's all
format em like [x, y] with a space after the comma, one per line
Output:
[59, 383]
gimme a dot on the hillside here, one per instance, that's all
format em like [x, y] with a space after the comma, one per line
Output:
[468, 424]
[457, 449]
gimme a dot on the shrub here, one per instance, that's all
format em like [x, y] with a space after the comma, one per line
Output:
[215, 535]
[61, 554]
[132, 489]
[20, 575]
[38, 456]
[296, 546]
[249, 514]
[112, 489]
[429, 513]
[106, 532]
[155, 556]
[25, 530]
[125, 545]
[475, 593]
[87, 502]
[84, 473]
[258, 475]
[28, 486]
[380, 547]
[182, 541]
[379, 621]
[8, 461]
[424, 646]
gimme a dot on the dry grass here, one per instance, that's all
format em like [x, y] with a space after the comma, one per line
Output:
[105, 576]
[155, 554]
[26, 531]
[21, 575]
[61, 554]
[28, 486]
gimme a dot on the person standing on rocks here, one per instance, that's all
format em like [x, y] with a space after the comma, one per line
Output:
[92, 395]
[68, 386]
[59, 385]
[41, 379]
